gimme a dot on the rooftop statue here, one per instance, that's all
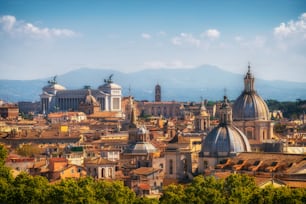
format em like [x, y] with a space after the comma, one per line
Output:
[52, 81]
[109, 80]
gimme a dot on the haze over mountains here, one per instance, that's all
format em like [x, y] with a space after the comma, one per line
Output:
[205, 81]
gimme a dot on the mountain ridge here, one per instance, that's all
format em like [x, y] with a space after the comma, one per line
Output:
[190, 84]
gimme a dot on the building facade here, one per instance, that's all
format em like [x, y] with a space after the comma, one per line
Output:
[56, 97]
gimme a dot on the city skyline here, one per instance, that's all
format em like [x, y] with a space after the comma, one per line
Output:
[45, 38]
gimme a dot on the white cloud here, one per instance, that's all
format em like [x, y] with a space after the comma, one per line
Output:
[185, 38]
[238, 39]
[7, 22]
[161, 33]
[292, 28]
[212, 34]
[162, 64]
[146, 36]
[256, 42]
[10, 25]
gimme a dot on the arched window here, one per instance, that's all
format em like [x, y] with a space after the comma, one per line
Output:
[170, 166]
[263, 135]
[102, 172]
[110, 172]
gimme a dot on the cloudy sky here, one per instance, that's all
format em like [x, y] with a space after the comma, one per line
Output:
[45, 38]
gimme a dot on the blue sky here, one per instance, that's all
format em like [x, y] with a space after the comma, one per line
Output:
[44, 38]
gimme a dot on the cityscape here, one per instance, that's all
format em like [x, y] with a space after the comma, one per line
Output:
[104, 141]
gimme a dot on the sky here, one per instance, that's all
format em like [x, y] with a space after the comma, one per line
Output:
[43, 38]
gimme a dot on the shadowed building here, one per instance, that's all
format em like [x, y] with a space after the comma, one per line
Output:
[9, 111]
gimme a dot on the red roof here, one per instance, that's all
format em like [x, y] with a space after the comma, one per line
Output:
[58, 160]
[144, 186]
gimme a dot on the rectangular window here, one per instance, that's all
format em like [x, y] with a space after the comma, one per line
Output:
[116, 103]
[170, 166]
[249, 134]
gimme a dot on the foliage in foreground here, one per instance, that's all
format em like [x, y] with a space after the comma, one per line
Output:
[234, 189]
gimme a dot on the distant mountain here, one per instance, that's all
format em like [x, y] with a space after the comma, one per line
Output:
[206, 81]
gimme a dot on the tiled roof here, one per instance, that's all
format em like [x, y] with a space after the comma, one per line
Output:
[295, 184]
[144, 171]
[58, 160]
[99, 161]
[144, 186]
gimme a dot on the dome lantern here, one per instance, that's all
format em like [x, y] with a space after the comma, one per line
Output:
[249, 81]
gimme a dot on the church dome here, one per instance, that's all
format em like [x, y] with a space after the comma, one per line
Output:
[140, 148]
[225, 139]
[90, 99]
[249, 105]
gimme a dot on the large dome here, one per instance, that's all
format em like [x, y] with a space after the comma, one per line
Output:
[249, 105]
[140, 148]
[225, 139]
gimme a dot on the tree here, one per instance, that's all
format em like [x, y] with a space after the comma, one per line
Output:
[173, 194]
[239, 188]
[29, 189]
[28, 150]
[68, 191]
[3, 154]
[205, 190]
[114, 192]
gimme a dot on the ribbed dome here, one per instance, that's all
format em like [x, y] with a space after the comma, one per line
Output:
[249, 105]
[140, 148]
[90, 99]
[225, 139]
[138, 143]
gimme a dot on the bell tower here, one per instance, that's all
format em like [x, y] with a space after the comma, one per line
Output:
[157, 93]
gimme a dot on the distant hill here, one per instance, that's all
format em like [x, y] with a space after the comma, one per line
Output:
[206, 81]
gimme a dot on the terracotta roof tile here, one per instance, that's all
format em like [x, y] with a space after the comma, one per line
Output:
[144, 186]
